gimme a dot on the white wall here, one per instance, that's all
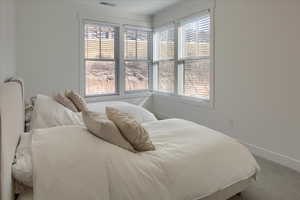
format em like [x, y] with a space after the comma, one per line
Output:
[48, 41]
[256, 76]
[7, 39]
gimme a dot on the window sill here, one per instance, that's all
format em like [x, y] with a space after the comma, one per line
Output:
[197, 102]
[117, 97]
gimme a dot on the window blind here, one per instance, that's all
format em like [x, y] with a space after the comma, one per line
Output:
[165, 58]
[196, 36]
[137, 59]
[136, 44]
[100, 71]
[195, 48]
[99, 41]
[166, 44]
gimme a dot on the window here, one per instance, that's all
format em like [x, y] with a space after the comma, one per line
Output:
[182, 57]
[164, 59]
[194, 56]
[100, 59]
[137, 59]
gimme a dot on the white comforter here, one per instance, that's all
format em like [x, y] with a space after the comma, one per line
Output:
[190, 162]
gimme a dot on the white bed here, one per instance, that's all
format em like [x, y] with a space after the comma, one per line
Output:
[191, 162]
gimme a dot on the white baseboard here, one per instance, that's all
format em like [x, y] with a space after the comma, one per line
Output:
[275, 157]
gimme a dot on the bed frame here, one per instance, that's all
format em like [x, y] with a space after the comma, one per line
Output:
[12, 125]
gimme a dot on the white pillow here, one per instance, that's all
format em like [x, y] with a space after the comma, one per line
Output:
[48, 113]
[139, 113]
[22, 167]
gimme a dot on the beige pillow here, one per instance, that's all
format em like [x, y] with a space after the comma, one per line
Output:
[65, 101]
[135, 134]
[78, 100]
[100, 126]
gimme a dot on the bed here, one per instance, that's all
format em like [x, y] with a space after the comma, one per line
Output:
[183, 166]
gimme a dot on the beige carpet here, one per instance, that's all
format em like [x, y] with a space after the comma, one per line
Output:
[274, 182]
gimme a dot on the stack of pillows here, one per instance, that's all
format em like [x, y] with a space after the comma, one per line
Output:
[72, 101]
[116, 127]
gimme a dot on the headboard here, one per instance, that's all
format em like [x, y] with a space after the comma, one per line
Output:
[11, 126]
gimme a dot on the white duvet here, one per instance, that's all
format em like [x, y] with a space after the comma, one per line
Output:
[190, 162]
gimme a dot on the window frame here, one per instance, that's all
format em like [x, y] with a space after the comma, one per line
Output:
[149, 59]
[179, 68]
[182, 59]
[119, 63]
[157, 60]
[84, 59]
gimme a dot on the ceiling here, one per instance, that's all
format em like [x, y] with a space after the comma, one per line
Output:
[141, 7]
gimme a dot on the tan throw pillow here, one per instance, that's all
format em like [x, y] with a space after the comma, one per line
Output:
[63, 100]
[99, 125]
[135, 134]
[78, 100]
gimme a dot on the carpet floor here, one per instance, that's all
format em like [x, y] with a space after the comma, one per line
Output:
[274, 182]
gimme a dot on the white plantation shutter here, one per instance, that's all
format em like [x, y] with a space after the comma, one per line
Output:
[130, 44]
[142, 44]
[92, 41]
[136, 44]
[196, 36]
[100, 65]
[195, 55]
[137, 58]
[99, 41]
[165, 58]
[165, 43]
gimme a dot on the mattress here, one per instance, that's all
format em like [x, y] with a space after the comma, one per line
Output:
[220, 195]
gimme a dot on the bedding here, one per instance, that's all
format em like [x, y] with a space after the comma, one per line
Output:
[131, 130]
[48, 113]
[99, 125]
[223, 194]
[22, 166]
[65, 101]
[139, 113]
[190, 162]
[78, 100]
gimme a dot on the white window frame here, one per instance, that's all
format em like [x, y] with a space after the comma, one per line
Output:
[157, 60]
[115, 59]
[119, 65]
[149, 60]
[176, 96]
